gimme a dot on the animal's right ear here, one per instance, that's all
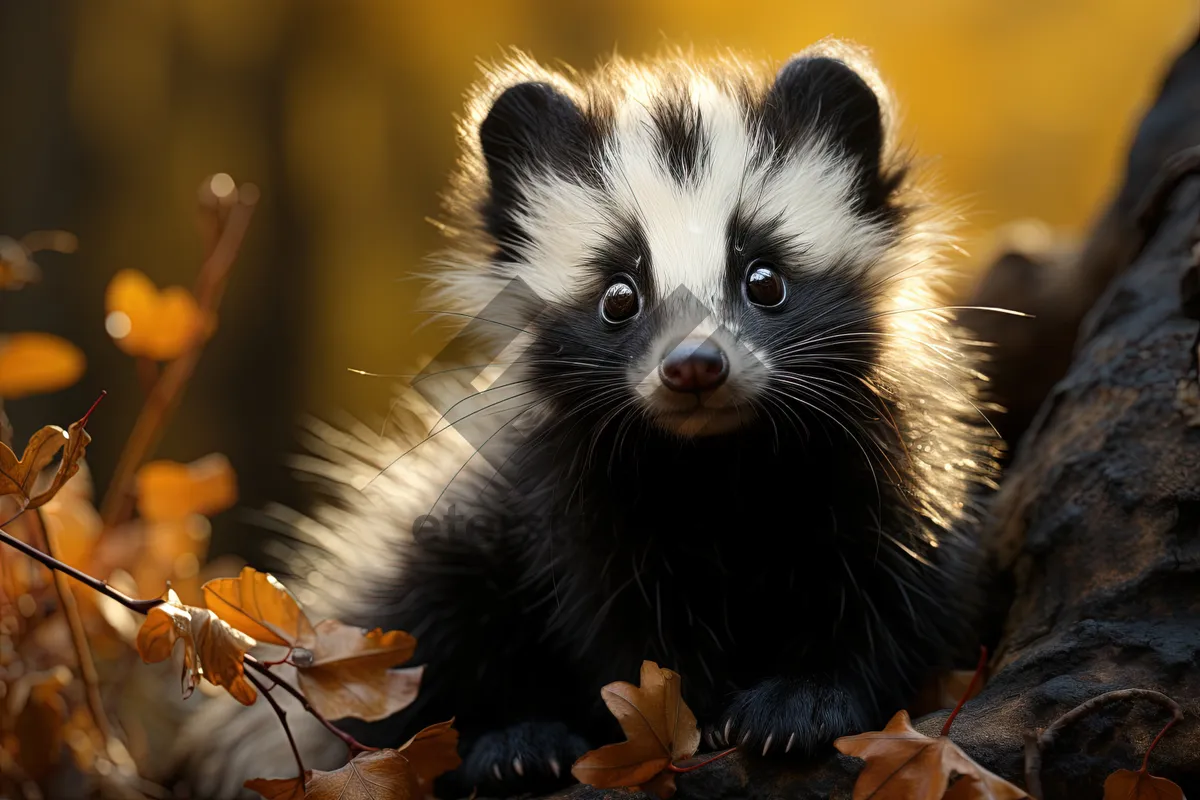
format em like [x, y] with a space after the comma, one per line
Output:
[531, 127]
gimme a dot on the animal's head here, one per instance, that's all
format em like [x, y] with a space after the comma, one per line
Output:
[706, 244]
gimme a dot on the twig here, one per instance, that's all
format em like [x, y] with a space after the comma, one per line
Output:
[140, 606]
[83, 652]
[962, 701]
[168, 390]
[279, 712]
[693, 767]
[1038, 741]
[354, 745]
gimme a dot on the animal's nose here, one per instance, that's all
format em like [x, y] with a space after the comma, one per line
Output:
[694, 367]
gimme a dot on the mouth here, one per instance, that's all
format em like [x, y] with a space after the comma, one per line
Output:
[702, 420]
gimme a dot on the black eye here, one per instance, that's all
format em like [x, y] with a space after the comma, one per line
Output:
[764, 285]
[620, 302]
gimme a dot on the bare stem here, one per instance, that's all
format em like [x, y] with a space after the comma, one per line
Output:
[970, 688]
[133, 604]
[287, 729]
[1038, 741]
[693, 767]
[354, 745]
[83, 652]
[169, 388]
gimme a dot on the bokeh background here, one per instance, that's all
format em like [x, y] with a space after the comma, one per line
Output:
[113, 111]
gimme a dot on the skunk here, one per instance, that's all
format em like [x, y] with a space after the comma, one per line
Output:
[704, 409]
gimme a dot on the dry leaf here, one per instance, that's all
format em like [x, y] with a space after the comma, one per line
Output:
[377, 775]
[350, 672]
[18, 476]
[1126, 784]
[431, 753]
[279, 788]
[212, 649]
[167, 490]
[659, 729]
[903, 764]
[38, 363]
[77, 440]
[146, 322]
[258, 605]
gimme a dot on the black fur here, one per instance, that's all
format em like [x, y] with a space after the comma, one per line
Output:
[785, 570]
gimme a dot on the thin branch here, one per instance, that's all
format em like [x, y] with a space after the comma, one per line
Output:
[678, 770]
[287, 729]
[83, 652]
[354, 745]
[962, 701]
[133, 604]
[168, 390]
[1038, 741]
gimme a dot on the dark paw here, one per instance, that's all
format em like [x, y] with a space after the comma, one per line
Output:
[789, 717]
[533, 757]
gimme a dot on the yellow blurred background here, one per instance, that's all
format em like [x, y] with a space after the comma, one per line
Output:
[343, 114]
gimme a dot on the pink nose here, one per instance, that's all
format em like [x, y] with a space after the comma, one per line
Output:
[694, 368]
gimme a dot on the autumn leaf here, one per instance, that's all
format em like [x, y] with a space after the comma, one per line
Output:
[37, 363]
[259, 606]
[431, 753]
[377, 775]
[659, 729]
[904, 764]
[212, 649]
[17, 476]
[350, 671]
[167, 490]
[146, 322]
[1126, 784]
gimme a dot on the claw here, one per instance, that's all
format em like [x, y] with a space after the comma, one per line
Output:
[791, 740]
[708, 739]
[496, 772]
[518, 768]
[745, 737]
[728, 725]
[767, 743]
[555, 768]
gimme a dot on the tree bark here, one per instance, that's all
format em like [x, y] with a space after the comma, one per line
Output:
[1097, 523]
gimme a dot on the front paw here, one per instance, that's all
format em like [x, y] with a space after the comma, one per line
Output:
[790, 716]
[532, 757]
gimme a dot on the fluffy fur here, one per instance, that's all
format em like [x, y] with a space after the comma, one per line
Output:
[794, 543]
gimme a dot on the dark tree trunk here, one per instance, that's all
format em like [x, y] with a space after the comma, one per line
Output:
[1097, 525]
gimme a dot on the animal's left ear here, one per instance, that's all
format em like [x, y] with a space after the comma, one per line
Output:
[818, 95]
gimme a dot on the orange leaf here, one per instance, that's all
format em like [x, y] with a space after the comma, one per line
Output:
[258, 605]
[1126, 784]
[37, 363]
[377, 775]
[346, 671]
[659, 729]
[903, 764]
[17, 476]
[212, 649]
[279, 788]
[432, 752]
[146, 322]
[168, 490]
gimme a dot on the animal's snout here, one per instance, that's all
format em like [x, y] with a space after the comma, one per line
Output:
[694, 367]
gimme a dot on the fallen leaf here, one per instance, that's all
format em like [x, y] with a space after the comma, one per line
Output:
[146, 322]
[659, 729]
[903, 764]
[431, 753]
[279, 788]
[377, 775]
[38, 363]
[350, 671]
[1126, 784]
[212, 649]
[259, 606]
[167, 490]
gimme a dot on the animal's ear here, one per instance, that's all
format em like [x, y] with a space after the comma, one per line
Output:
[818, 95]
[530, 127]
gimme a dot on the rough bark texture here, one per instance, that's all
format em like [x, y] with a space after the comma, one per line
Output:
[1097, 526]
